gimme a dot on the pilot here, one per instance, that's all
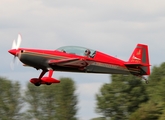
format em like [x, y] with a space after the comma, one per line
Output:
[87, 53]
[63, 51]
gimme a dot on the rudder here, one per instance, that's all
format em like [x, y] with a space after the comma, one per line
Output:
[140, 56]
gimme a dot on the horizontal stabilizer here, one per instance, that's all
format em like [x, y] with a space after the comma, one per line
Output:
[136, 64]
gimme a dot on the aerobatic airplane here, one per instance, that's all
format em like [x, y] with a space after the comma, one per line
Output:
[79, 59]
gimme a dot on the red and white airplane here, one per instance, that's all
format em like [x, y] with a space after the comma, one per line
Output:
[79, 59]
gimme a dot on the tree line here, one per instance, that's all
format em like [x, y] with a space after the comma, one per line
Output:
[54, 102]
[123, 98]
[129, 98]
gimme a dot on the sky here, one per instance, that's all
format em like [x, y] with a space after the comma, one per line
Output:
[112, 27]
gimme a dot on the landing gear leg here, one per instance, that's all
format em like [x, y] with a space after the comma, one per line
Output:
[50, 73]
[42, 74]
[38, 81]
[50, 76]
[49, 80]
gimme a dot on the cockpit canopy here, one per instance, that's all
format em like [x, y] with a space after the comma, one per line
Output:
[77, 50]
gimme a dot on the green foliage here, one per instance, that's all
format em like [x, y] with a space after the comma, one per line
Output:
[41, 102]
[147, 111]
[10, 100]
[66, 100]
[125, 98]
[120, 98]
[129, 98]
[154, 109]
[157, 73]
[99, 118]
[57, 101]
[162, 116]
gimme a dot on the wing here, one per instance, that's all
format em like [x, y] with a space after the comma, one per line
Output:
[69, 62]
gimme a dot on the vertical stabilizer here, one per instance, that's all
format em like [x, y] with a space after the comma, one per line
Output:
[140, 57]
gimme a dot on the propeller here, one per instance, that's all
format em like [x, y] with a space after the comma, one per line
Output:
[17, 44]
[14, 51]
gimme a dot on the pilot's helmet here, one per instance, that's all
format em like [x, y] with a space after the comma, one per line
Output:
[87, 52]
[63, 51]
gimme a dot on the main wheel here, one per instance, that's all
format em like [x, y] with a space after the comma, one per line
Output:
[48, 83]
[37, 84]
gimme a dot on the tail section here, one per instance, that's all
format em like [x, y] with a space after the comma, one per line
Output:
[140, 55]
[139, 59]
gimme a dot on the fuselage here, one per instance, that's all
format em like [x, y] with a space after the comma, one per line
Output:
[98, 63]
[79, 59]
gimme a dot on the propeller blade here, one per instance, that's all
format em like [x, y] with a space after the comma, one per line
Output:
[14, 45]
[18, 41]
[12, 63]
[15, 52]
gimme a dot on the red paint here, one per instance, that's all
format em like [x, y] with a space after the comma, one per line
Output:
[13, 52]
[138, 59]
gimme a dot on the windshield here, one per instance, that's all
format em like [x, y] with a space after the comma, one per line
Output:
[77, 50]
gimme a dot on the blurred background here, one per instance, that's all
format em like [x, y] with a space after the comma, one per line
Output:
[112, 27]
